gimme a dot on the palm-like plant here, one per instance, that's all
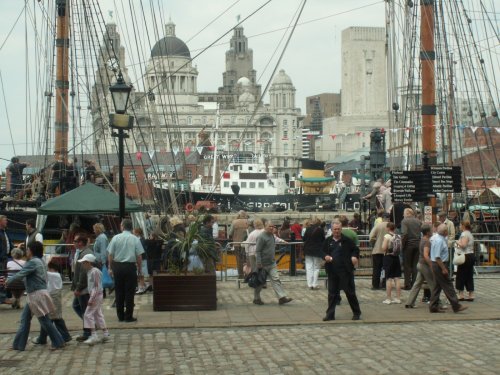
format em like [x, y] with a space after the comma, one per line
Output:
[194, 242]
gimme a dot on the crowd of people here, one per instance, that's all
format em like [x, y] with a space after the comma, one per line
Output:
[418, 252]
[58, 178]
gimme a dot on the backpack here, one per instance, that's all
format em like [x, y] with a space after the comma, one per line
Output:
[397, 245]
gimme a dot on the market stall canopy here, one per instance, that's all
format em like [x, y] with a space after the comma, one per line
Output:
[87, 199]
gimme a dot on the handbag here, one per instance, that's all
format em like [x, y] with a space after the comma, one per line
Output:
[16, 284]
[107, 280]
[458, 256]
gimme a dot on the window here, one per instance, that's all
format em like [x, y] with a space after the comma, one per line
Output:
[338, 149]
[285, 123]
[285, 133]
[243, 184]
[252, 185]
[204, 120]
[285, 163]
[261, 185]
[190, 120]
[226, 184]
[285, 149]
[189, 174]
[132, 177]
[233, 120]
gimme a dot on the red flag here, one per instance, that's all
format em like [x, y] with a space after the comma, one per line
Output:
[309, 136]
[187, 150]
[358, 133]
[138, 155]
[211, 148]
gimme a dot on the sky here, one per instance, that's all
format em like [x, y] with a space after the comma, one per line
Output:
[312, 58]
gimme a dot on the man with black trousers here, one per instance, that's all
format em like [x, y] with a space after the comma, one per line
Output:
[341, 256]
[125, 260]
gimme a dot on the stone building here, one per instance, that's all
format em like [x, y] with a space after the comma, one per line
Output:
[363, 94]
[171, 113]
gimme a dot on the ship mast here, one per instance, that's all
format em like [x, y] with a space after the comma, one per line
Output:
[62, 83]
[428, 57]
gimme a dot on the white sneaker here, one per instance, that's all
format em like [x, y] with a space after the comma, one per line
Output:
[92, 340]
[387, 301]
[396, 300]
[106, 338]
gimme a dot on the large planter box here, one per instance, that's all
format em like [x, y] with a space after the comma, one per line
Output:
[184, 292]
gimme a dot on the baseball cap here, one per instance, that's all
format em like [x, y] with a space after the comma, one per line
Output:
[88, 258]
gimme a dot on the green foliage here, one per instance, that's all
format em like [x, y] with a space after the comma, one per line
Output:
[204, 247]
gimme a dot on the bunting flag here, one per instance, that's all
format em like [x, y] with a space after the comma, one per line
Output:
[486, 130]
[199, 149]
[333, 136]
[187, 150]
[138, 155]
[175, 150]
[151, 153]
[359, 133]
[497, 129]
[473, 128]
[309, 136]
[211, 148]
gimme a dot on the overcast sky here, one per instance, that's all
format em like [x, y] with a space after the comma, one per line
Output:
[312, 59]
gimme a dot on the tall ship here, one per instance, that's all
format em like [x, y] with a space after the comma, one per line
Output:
[240, 144]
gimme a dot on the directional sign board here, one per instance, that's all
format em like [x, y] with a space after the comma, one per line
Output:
[410, 186]
[419, 186]
[446, 179]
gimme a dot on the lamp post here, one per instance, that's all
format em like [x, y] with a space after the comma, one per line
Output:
[120, 93]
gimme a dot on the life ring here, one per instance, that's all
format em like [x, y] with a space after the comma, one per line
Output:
[189, 207]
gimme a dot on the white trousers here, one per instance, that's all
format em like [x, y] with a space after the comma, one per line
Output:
[93, 317]
[313, 265]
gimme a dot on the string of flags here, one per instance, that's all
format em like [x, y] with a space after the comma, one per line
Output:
[485, 129]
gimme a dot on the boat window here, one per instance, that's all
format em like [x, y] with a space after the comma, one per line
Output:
[226, 184]
[261, 185]
[252, 185]
[243, 184]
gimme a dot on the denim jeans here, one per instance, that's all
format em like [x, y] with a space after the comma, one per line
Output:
[24, 330]
[79, 306]
[60, 324]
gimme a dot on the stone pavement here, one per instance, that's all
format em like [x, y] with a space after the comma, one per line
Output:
[235, 308]
[243, 338]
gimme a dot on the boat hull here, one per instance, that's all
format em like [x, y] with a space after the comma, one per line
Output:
[253, 203]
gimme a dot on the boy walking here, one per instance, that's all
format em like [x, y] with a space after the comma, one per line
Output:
[94, 316]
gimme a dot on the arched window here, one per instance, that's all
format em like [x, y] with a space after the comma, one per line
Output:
[190, 120]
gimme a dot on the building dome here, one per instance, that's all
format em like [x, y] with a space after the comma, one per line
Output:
[244, 82]
[282, 79]
[170, 46]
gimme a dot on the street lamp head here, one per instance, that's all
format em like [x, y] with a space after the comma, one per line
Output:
[120, 93]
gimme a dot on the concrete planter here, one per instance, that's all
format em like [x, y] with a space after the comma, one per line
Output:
[184, 292]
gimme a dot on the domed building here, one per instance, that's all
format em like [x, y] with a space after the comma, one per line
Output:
[170, 71]
[171, 113]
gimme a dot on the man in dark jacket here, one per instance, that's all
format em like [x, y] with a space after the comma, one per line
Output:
[341, 256]
[5, 243]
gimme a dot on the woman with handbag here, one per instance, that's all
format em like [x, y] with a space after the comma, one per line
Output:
[39, 302]
[465, 271]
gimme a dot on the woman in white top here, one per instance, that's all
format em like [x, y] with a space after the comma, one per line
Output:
[465, 272]
[16, 264]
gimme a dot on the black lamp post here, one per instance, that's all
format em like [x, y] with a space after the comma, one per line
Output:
[120, 93]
